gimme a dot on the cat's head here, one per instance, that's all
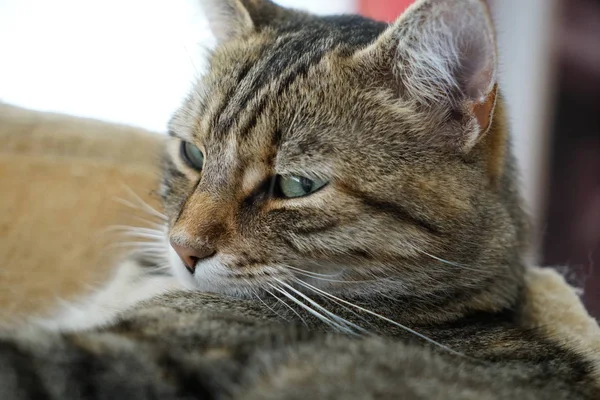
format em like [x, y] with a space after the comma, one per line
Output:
[360, 157]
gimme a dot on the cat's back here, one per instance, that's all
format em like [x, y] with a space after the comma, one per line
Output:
[279, 359]
[231, 348]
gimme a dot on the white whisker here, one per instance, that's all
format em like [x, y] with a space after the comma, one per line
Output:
[127, 228]
[321, 276]
[321, 279]
[313, 273]
[309, 286]
[143, 235]
[145, 245]
[317, 290]
[129, 204]
[143, 205]
[162, 267]
[287, 305]
[142, 201]
[454, 264]
[339, 320]
[310, 310]
[159, 225]
[265, 304]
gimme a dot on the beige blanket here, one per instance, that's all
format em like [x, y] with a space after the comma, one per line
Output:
[61, 179]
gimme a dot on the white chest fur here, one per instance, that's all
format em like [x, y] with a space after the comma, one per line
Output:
[130, 285]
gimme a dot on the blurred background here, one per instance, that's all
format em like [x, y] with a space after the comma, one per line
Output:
[133, 61]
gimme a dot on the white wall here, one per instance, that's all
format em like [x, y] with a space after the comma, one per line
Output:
[126, 61]
[526, 36]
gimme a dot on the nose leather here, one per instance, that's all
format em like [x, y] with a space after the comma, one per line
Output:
[191, 255]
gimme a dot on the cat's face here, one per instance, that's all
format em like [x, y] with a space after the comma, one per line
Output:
[354, 157]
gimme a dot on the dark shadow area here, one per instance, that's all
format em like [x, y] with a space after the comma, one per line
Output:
[572, 223]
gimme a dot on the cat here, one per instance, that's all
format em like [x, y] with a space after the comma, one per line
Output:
[342, 208]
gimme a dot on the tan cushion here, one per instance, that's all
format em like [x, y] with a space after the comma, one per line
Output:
[60, 177]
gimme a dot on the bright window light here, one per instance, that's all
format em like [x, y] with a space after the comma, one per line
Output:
[122, 61]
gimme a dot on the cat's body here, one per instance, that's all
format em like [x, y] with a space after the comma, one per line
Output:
[193, 345]
[346, 190]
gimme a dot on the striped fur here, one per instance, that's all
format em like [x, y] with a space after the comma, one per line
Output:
[194, 345]
[416, 191]
[402, 278]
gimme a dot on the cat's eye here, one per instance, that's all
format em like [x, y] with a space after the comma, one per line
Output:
[291, 187]
[192, 155]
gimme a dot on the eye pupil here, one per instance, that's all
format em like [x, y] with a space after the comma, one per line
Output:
[307, 184]
[192, 155]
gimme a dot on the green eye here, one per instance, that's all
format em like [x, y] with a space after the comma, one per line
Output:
[192, 155]
[296, 186]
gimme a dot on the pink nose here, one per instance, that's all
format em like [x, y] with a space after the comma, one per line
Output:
[191, 255]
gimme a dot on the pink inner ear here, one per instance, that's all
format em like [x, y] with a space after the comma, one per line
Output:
[483, 109]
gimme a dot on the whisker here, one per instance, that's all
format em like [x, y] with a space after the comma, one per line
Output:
[144, 253]
[309, 286]
[343, 322]
[142, 235]
[155, 243]
[143, 248]
[320, 276]
[287, 305]
[162, 267]
[147, 245]
[158, 225]
[318, 315]
[141, 201]
[140, 245]
[313, 273]
[150, 211]
[265, 304]
[321, 279]
[143, 205]
[442, 346]
[454, 264]
[127, 228]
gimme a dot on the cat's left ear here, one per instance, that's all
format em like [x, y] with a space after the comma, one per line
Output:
[443, 54]
[232, 18]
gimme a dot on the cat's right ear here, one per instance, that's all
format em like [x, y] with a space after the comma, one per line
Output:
[442, 54]
[233, 18]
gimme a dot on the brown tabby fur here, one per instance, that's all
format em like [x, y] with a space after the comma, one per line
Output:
[398, 189]
[420, 223]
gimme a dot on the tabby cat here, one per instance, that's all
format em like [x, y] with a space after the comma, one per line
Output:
[342, 207]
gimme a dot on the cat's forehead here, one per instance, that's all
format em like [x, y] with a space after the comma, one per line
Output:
[272, 51]
[283, 90]
[247, 74]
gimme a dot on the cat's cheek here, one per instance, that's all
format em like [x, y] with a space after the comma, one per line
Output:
[179, 271]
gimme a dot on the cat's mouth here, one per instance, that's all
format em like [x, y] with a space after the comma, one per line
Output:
[213, 275]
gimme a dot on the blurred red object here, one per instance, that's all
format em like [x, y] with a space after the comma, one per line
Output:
[383, 10]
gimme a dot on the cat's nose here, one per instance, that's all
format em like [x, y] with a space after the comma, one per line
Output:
[191, 255]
